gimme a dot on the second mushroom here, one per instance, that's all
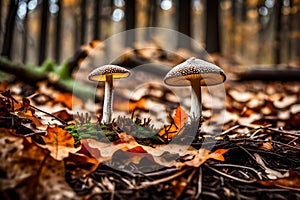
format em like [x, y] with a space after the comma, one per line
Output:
[107, 73]
[195, 73]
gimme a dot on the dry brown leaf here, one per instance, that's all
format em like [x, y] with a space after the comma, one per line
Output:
[67, 99]
[86, 164]
[30, 172]
[59, 142]
[292, 182]
[34, 120]
[286, 101]
[271, 173]
[240, 96]
[201, 156]
[130, 105]
[64, 115]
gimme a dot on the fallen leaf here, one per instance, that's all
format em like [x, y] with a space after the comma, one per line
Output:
[67, 99]
[286, 101]
[179, 119]
[218, 154]
[86, 149]
[64, 115]
[200, 156]
[291, 182]
[84, 164]
[29, 171]
[240, 96]
[34, 120]
[59, 142]
[271, 174]
[130, 105]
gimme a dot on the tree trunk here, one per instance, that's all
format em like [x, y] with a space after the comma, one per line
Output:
[25, 37]
[212, 27]
[97, 19]
[184, 22]
[58, 36]
[43, 32]
[82, 21]
[152, 17]
[278, 31]
[9, 29]
[130, 22]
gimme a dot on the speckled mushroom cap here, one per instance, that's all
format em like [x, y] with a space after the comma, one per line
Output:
[193, 68]
[99, 73]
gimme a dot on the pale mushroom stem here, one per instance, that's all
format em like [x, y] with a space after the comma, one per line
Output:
[196, 106]
[107, 105]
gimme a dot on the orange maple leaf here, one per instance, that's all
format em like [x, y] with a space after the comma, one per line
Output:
[59, 142]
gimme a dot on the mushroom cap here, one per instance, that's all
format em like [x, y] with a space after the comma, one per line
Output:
[99, 74]
[193, 68]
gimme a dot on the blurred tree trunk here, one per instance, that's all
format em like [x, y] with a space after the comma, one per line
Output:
[82, 21]
[233, 26]
[97, 19]
[244, 10]
[58, 36]
[278, 30]
[184, 21]
[296, 30]
[1, 17]
[9, 29]
[25, 36]
[152, 17]
[43, 32]
[212, 40]
[290, 29]
[130, 9]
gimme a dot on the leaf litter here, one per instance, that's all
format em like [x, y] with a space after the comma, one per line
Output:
[60, 155]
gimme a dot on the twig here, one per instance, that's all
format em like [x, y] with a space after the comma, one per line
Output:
[238, 166]
[162, 172]
[293, 140]
[282, 132]
[158, 181]
[229, 176]
[230, 129]
[247, 152]
[199, 189]
[57, 118]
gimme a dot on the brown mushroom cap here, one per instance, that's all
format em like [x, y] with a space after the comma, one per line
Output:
[193, 68]
[99, 73]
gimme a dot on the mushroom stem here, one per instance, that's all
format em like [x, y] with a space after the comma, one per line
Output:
[196, 106]
[107, 104]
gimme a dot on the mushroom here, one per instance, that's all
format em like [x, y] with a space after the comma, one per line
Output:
[107, 73]
[195, 73]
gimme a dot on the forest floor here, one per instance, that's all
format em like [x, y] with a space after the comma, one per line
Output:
[49, 151]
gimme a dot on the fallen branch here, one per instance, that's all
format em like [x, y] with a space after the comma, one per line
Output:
[57, 76]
